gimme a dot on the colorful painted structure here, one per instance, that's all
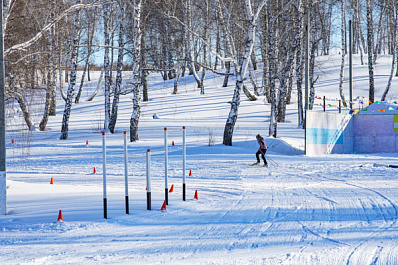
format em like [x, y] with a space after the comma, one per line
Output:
[371, 130]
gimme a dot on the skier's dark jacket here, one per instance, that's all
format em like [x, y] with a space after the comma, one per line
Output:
[261, 142]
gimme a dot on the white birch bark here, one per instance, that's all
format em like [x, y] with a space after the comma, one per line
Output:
[285, 73]
[135, 115]
[377, 49]
[90, 37]
[394, 53]
[50, 91]
[369, 18]
[190, 44]
[272, 93]
[358, 30]
[300, 64]
[7, 8]
[22, 103]
[343, 53]
[72, 81]
[118, 81]
[107, 89]
[202, 87]
[241, 70]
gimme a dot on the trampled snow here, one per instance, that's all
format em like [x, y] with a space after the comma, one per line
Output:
[335, 209]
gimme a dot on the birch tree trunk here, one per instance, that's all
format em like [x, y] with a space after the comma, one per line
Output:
[25, 111]
[343, 49]
[265, 54]
[50, 82]
[118, 81]
[90, 36]
[379, 33]
[369, 18]
[241, 72]
[300, 65]
[178, 75]
[53, 94]
[72, 81]
[202, 78]
[248, 94]
[190, 51]
[227, 71]
[358, 30]
[144, 72]
[107, 87]
[272, 93]
[22, 103]
[135, 116]
[285, 73]
[394, 51]
[290, 82]
[218, 46]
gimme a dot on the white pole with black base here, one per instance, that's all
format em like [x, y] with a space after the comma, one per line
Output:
[184, 157]
[166, 168]
[148, 179]
[126, 181]
[104, 174]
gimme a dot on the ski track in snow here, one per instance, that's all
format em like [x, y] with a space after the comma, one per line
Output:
[360, 252]
[305, 212]
[336, 209]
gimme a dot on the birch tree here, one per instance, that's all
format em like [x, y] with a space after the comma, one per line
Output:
[394, 6]
[272, 76]
[343, 52]
[90, 36]
[290, 46]
[136, 42]
[252, 18]
[300, 63]
[107, 88]
[370, 37]
[118, 81]
[50, 91]
[72, 82]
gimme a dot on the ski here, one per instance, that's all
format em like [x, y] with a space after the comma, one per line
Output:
[259, 165]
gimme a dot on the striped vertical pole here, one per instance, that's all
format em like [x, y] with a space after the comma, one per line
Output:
[166, 168]
[184, 158]
[148, 179]
[324, 103]
[104, 174]
[126, 179]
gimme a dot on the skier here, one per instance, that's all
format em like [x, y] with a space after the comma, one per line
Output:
[263, 148]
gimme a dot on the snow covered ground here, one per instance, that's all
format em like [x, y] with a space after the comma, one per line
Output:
[336, 209]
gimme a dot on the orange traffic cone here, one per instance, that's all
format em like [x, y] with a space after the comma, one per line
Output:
[60, 218]
[86, 142]
[94, 171]
[12, 141]
[196, 195]
[52, 181]
[172, 188]
[190, 173]
[172, 143]
[163, 206]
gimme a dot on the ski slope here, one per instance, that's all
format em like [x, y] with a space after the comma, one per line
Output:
[335, 209]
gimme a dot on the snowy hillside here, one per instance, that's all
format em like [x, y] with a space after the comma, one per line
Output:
[336, 209]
